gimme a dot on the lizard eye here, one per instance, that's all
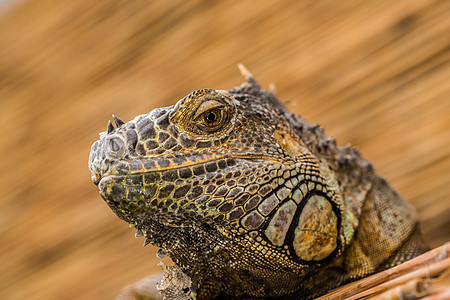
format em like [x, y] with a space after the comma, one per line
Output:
[211, 116]
[205, 112]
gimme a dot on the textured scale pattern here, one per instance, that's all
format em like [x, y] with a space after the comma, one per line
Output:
[250, 200]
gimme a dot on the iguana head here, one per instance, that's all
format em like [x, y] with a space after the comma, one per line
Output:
[223, 174]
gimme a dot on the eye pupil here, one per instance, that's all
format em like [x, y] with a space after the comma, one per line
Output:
[211, 117]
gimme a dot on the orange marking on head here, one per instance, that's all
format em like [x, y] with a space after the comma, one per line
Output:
[293, 146]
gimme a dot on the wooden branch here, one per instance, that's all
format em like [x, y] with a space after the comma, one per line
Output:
[425, 275]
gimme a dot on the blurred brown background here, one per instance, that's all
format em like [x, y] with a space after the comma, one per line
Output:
[375, 74]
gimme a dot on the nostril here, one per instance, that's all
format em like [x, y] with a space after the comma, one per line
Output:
[114, 146]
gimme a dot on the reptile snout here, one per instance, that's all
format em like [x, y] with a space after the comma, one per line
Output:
[94, 162]
[105, 154]
[106, 151]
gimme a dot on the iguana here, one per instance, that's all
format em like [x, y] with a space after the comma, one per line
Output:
[248, 199]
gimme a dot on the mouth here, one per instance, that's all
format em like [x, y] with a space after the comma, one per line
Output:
[173, 187]
[160, 165]
[145, 183]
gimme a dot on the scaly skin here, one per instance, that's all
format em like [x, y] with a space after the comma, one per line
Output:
[250, 200]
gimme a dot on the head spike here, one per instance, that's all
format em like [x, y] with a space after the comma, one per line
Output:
[118, 121]
[248, 75]
[110, 127]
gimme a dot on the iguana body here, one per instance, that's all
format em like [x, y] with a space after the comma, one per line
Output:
[250, 200]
